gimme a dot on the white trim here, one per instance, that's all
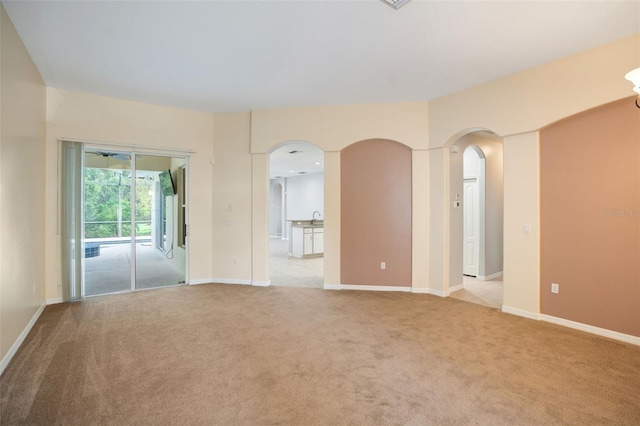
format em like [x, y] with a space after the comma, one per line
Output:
[331, 286]
[366, 287]
[201, 281]
[431, 291]
[634, 340]
[219, 281]
[520, 312]
[261, 283]
[55, 301]
[182, 151]
[16, 345]
[456, 288]
[490, 277]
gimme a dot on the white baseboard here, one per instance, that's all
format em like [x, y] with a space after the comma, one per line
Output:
[366, 287]
[634, 340]
[230, 281]
[490, 277]
[55, 301]
[627, 338]
[261, 283]
[201, 281]
[456, 288]
[332, 287]
[520, 312]
[427, 291]
[16, 345]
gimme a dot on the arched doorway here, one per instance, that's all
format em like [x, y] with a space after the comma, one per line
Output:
[296, 215]
[476, 218]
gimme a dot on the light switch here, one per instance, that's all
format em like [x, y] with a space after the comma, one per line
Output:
[526, 229]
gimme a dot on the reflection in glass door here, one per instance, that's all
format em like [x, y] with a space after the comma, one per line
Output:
[160, 255]
[149, 251]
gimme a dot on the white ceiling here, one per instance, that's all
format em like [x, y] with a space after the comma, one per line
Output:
[295, 159]
[223, 56]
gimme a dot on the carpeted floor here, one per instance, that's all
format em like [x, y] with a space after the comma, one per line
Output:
[241, 355]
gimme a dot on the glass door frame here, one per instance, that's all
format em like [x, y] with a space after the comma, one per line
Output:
[133, 153]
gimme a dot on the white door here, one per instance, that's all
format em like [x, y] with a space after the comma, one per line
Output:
[471, 228]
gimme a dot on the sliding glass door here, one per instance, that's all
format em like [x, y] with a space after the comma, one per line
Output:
[107, 222]
[160, 258]
[131, 221]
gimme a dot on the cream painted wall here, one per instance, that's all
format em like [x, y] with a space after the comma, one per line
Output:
[537, 97]
[522, 207]
[332, 221]
[98, 119]
[332, 128]
[22, 178]
[420, 220]
[232, 261]
[260, 220]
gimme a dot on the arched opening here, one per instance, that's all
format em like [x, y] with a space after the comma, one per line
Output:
[296, 215]
[476, 218]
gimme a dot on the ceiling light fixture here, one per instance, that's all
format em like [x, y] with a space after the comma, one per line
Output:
[634, 77]
[396, 4]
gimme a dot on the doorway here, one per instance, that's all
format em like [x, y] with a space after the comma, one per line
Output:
[134, 211]
[476, 219]
[296, 215]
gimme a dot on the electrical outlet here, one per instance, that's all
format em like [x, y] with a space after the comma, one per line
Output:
[555, 288]
[383, 265]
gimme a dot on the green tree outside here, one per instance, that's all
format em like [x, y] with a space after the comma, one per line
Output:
[107, 203]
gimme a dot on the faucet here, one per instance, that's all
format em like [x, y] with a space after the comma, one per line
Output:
[313, 221]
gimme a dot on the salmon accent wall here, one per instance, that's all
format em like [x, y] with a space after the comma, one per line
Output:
[590, 224]
[376, 213]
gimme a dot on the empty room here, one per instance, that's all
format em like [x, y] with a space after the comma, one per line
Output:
[320, 212]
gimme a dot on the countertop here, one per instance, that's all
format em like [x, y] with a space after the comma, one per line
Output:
[307, 223]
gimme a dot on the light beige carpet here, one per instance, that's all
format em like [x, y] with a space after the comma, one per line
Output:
[241, 355]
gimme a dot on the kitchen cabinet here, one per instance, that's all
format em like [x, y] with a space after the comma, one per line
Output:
[306, 241]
